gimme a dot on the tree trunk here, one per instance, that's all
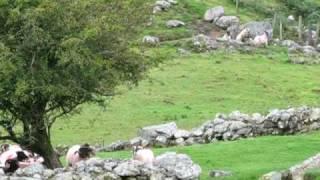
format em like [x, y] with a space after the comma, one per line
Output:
[237, 6]
[41, 144]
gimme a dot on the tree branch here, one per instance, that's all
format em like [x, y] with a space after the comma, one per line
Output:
[6, 138]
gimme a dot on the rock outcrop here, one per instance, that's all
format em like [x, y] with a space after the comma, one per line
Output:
[214, 13]
[225, 22]
[174, 23]
[151, 40]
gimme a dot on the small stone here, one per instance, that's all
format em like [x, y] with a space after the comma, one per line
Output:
[179, 141]
[161, 141]
[220, 173]
[272, 176]
[182, 134]
[151, 40]
[174, 23]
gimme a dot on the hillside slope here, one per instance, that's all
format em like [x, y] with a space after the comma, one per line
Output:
[192, 89]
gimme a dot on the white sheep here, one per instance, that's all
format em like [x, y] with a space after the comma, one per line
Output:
[260, 40]
[78, 153]
[143, 155]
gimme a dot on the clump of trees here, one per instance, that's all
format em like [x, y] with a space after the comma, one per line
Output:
[58, 54]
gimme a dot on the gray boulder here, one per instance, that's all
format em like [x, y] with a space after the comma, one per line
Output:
[151, 40]
[179, 141]
[30, 171]
[289, 43]
[128, 168]
[136, 141]
[236, 125]
[48, 173]
[233, 31]
[178, 165]
[204, 43]
[256, 28]
[174, 23]
[161, 141]
[117, 146]
[220, 173]
[164, 5]
[214, 13]
[309, 50]
[108, 176]
[165, 130]
[156, 9]
[64, 176]
[227, 21]
[221, 128]
[173, 2]
[182, 134]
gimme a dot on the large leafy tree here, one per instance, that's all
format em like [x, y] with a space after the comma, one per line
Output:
[58, 54]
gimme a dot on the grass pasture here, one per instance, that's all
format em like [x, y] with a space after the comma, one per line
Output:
[190, 90]
[247, 159]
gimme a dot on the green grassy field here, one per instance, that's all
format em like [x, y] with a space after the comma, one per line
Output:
[192, 89]
[247, 159]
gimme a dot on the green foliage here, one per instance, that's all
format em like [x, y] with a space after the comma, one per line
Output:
[57, 54]
[309, 9]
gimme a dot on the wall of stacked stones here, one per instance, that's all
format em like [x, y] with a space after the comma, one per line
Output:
[226, 127]
[168, 166]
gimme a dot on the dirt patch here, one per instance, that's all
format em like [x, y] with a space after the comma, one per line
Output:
[207, 28]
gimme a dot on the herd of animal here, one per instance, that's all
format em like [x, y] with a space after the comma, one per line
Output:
[13, 157]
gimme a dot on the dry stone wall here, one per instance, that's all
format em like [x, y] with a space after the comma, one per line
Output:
[168, 166]
[295, 172]
[233, 126]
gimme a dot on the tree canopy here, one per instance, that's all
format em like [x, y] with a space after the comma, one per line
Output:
[58, 54]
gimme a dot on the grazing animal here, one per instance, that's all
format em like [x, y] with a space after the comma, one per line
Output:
[14, 157]
[144, 155]
[78, 153]
[6, 147]
[7, 155]
[261, 40]
[11, 160]
[11, 166]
